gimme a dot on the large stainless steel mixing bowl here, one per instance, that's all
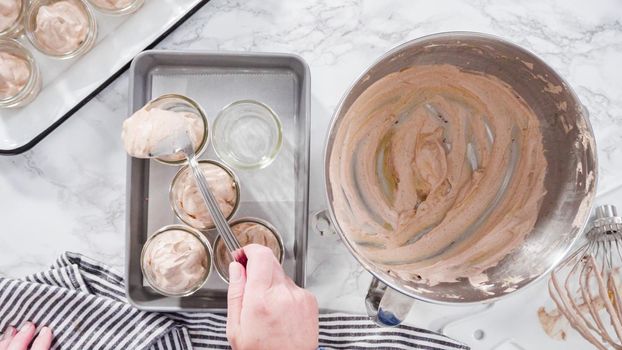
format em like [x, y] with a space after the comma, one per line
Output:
[570, 178]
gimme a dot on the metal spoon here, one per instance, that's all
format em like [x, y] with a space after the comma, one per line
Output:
[179, 142]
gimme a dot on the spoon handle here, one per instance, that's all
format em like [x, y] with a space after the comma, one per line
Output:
[219, 219]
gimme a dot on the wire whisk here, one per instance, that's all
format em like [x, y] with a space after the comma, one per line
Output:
[586, 285]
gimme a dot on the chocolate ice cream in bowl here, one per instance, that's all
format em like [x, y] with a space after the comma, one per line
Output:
[176, 260]
[160, 118]
[247, 231]
[459, 169]
[61, 28]
[186, 200]
[116, 7]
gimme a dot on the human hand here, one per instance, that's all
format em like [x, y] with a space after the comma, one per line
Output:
[20, 340]
[266, 310]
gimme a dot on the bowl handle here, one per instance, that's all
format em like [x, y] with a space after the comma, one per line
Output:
[386, 306]
[321, 223]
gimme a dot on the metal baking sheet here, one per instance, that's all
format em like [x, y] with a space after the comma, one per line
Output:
[67, 85]
[277, 193]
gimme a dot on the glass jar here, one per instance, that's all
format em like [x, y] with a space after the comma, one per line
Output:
[11, 26]
[182, 104]
[30, 24]
[123, 8]
[247, 134]
[222, 257]
[148, 266]
[181, 182]
[31, 86]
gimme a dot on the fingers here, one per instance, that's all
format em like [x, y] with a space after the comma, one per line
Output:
[235, 295]
[14, 340]
[22, 339]
[260, 267]
[6, 338]
[43, 341]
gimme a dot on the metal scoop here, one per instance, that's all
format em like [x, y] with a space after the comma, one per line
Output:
[179, 142]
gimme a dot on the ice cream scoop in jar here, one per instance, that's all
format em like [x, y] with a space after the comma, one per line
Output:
[150, 131]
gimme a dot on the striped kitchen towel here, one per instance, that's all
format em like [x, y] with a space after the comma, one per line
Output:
[84, 302]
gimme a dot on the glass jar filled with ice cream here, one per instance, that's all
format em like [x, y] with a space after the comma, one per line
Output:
[187, 201]
[176, 260]
[20, 80]
[160, 118]
[247, 231]
[11, 15]
[116, 7]
[61, 28]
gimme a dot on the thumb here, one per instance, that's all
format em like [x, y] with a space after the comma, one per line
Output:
[235, 295]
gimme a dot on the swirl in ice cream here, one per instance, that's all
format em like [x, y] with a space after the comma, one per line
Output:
[187, 199]
[247, 233]
[113, 4]
[175, 261]
[9, 11]
[145, 129]
[14, 74]
[61, 27]
[437, 173]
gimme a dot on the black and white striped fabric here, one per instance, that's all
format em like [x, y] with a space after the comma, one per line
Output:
[84, 302]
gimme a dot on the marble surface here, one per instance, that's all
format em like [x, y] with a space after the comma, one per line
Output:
[68, 193]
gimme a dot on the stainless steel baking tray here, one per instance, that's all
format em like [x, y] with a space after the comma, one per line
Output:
[277, 193]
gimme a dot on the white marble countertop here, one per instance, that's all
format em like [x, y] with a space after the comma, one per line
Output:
[68, 193]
